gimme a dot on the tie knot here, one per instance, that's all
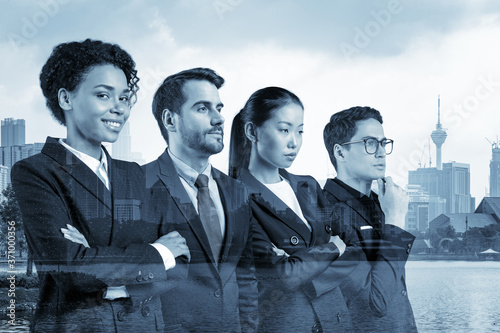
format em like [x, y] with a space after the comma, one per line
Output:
[201, 181]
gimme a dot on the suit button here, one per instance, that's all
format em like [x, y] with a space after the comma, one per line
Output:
[151, 276]
[294, 240]
[339, 317]
[328, 229]
[403, 292]
[316, 328]
[139, 276]
[121, 316]
[145, 311]
[217, 293]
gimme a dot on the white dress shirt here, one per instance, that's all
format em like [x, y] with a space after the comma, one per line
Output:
[284, 191]
[188, 177]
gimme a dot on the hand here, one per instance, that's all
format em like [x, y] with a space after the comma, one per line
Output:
[393, 201]
[339, 243]
[72, 234]
[175, 243]
[279, 252]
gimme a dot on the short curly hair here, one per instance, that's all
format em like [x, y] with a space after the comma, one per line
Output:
[69, 64]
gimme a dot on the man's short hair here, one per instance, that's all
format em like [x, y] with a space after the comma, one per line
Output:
[342, 127]
[170, 95]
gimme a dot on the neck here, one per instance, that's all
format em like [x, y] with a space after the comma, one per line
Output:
[263, 172]
[93, 150]
[361, 185]
[191, 157]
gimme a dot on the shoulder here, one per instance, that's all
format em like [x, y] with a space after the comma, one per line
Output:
[233, 187]
[34, 164]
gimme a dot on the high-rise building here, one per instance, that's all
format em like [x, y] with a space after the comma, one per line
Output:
[4, 178]
[121, 149]
[495, 170]
[422, 208]
[456, 188]
[13, 132]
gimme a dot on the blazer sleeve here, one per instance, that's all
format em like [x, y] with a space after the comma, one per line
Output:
[73, 266]
[294, 270]
[371, 285]
[247, 286]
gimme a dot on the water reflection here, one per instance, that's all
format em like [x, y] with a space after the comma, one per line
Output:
[446, 296]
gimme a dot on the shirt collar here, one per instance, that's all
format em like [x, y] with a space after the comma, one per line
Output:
[355, 193]
[186, 172]
[93, 163]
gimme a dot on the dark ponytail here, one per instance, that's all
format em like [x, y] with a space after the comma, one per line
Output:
[239, 147]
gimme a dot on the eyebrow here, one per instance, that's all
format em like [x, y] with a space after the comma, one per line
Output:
[288, 123]
[111, 88]
[372, 137]
[208, 103]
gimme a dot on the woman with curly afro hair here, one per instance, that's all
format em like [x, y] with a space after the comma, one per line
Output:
[81, 208]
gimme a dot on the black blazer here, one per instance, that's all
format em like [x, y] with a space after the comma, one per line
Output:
[55, 188]
[297, 293]
[387, 248]
[215, 297]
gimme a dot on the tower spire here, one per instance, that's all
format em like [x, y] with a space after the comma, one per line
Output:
[438, 136]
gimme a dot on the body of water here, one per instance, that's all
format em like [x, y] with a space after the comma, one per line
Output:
[447, 296]
[455, 296]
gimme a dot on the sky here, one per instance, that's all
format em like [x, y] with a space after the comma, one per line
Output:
[395, 56]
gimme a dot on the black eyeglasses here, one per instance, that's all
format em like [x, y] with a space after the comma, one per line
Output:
[371, 145]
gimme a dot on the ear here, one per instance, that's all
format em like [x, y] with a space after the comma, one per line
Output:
[64, 98]
[251, 132]
[169, 120]
[338, 152]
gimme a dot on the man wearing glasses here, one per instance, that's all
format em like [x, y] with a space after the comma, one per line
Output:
[358, 148]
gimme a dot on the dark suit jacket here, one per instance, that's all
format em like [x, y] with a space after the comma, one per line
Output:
[297, 293]
[55, 188]
[384, 245]
[215, 297]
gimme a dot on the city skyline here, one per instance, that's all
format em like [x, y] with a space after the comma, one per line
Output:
[396, 56]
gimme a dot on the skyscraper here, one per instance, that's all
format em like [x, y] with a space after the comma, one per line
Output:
[438, 136]
[122, 148]
[495, 170]
[456, 188]
[13, 132]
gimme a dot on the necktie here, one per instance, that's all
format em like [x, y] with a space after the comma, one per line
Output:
[208, 215]
[103, 174]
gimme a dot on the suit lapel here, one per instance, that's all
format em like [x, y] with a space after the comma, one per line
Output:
[170, 179]
[266, 198]
[308, 201]
[78, 171]
[226, 195]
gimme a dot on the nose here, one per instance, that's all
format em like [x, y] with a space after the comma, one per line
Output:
[294, 141]
[380, 151]
[119, 107]
[217, 118]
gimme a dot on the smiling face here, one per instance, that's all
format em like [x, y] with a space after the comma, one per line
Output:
[356, 163]
[198, 127]
[279, 139]
[97, 109]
